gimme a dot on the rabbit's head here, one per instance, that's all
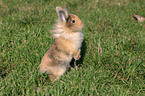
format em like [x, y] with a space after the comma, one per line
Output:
[66, 23]
[69, 21]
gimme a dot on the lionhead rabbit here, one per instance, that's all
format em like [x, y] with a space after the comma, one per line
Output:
[69, 37]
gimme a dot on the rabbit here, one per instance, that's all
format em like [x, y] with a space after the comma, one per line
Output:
[68, 40]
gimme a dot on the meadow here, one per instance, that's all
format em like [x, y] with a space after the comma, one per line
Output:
[113, 50]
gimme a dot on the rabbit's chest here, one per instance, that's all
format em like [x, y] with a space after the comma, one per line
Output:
[77, 40]
[71, 40]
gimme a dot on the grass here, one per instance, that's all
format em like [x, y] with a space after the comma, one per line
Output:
[113, 51]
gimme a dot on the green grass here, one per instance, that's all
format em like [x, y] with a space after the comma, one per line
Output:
[113, 52]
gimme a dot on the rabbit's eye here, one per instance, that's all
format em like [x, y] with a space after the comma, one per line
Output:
[73, 21]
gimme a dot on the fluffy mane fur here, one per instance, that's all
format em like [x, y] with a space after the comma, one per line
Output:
[60, 30]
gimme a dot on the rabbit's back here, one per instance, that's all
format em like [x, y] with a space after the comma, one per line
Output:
[57, 57]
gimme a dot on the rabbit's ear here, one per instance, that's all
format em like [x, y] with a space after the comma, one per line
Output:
[62, 13]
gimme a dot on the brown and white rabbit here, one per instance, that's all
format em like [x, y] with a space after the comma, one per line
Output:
[69, 37]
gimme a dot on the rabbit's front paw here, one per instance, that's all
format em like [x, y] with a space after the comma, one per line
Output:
[77, 57]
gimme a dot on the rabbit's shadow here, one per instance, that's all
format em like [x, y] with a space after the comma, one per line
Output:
[80, 61]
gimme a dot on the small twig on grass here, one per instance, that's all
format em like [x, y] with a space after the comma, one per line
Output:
[95, 89]
[99, 48]
[139, 18]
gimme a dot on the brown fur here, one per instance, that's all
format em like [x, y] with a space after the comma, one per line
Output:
[66, 46]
